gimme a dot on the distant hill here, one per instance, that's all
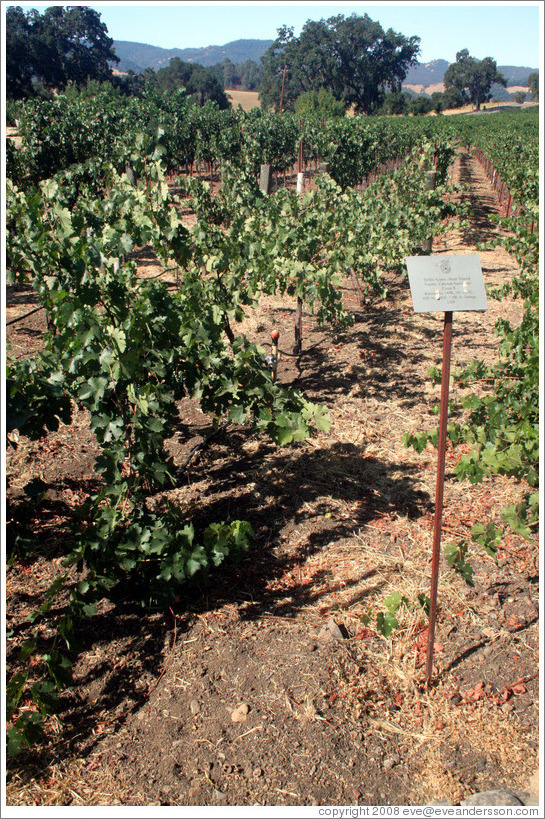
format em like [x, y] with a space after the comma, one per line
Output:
[138, 56]
[423, 78]
[427, 73]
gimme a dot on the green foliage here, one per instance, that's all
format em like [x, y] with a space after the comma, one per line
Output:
[500, 420]
[353, 57]
[386, 621]
[473, 78]
[453, 97]
[127, 351]
[320, 103]
[486, 536]
[197, 82]
[52, 48]
[420, 105]
[533, 85]
[455, 554]
[395, 102]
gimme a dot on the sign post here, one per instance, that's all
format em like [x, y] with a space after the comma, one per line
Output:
[446, 284]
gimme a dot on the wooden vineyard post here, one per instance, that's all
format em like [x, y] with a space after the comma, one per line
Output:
[443, 283]
[357, 286]
[265, 179]
[131, 174]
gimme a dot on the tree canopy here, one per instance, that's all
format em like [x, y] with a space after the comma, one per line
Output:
[246, 75]
[533, 85]
[473, 78]
[353, 57]
[322, 103]
[421, 105]
[201, 85]
[63, 44]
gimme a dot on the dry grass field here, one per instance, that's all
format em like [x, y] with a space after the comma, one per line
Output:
[250, 99]
[246, 99]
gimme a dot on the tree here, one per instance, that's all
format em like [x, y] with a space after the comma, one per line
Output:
[64, 44]
[438, 101]
[420, 105]
[473, 78]
[353, 57]
[250, 75]
[519, 97]
[229, 73]
[199, 83]
[18, 63]
[320, 102]
[533, 85]
[453, 98]
[395, 102]
[87, 50]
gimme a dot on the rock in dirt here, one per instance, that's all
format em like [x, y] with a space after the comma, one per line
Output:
[194, 707]
[332, 631]
[240, 713]
[487, 798]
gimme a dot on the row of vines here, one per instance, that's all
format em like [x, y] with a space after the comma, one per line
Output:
[126, 350]
[501, 417]
[57, 134]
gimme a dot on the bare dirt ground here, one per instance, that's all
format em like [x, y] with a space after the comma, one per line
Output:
[236, 695]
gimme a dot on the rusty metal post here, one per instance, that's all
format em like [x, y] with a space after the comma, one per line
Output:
[440, 482]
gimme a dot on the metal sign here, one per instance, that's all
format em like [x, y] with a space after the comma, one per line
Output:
[447, 284]
[442, 283]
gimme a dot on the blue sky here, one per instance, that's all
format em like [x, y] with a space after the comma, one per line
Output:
[510, 33]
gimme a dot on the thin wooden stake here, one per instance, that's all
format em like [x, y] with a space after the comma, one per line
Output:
[440, 483]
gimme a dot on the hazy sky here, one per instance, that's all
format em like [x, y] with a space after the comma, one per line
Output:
[509, 32]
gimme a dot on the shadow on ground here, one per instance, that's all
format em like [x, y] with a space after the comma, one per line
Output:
[285, 485]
